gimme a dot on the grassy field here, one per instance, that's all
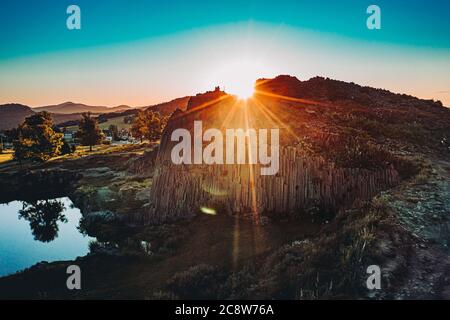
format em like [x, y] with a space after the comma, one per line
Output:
[105, 125]
[115, 121]
[80, 151]
[7, 155]
[7, 164]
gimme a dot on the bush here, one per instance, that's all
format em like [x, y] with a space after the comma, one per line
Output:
[198, 282]
[349, 151]
[66, 148]
[405, 167]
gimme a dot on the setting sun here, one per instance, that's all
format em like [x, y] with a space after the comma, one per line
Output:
[243, 90]
[237, 74]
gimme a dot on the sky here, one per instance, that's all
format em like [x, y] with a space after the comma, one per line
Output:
[144, 52]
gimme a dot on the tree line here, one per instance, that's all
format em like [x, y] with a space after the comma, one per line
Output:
[37, 138]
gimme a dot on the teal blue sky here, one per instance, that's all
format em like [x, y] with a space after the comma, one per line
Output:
[30, 27]
[34, 37]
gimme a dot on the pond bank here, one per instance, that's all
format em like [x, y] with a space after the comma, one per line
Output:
[39, 231]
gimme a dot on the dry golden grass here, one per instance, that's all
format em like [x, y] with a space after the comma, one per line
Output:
[115, 121]
[6, 156]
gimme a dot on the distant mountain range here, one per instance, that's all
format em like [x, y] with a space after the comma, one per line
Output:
[73, 107]
[11, 115]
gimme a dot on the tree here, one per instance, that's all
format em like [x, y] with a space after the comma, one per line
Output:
[36, 139]
[66, 148]
[155, 126]
[114, 131]
[148, 125]
[90, 133]
[138, 128]
[128, 119]
[2, 137]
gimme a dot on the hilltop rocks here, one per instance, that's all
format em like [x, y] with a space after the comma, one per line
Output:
[319, 88]
[201, 99]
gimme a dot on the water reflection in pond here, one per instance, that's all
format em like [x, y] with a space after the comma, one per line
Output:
[43, 216]
[43, 230]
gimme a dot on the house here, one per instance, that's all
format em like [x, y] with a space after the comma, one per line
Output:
[5, 141]
[108, 135]
[69, 136]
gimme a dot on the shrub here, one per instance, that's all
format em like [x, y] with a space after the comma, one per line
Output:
[66, 148]
[198, 282]
[349, 151]
[405, 167]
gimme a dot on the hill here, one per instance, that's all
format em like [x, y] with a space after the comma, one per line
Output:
[319, 88]
[12, 114]
[117, 117]
[167, 108]
[72, 107]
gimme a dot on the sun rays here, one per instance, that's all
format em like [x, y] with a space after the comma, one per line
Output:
[230, 111]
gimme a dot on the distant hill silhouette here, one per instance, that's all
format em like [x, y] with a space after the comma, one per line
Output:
[165, 108]
[72, 107]
[12, 114]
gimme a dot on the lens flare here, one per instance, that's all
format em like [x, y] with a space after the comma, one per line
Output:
[209, 211]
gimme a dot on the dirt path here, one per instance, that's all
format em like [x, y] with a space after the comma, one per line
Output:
[423, 208]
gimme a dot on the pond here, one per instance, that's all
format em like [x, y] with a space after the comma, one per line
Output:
[43, 230]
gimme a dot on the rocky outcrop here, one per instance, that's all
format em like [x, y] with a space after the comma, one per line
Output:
[301, 182]
[305, 180]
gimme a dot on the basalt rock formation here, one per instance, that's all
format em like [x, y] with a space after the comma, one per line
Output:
[306, 178]
[301, 184]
